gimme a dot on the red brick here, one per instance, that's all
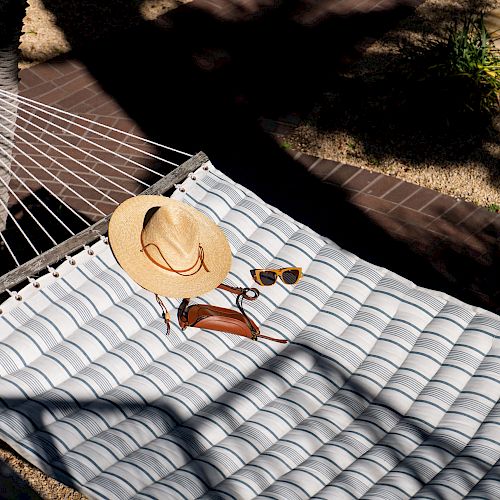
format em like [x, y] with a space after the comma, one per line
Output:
[439, 206]
[123, 182]
[420, 198]
[381, 185]
[30, 78]
[73, 100]
[343, 174]
[105, 109]
[86, 192]
[493, 228]
[482, 244]
[307, 160]
[324, 168]
[401, 192]
[373, 202]
[448, 230]
[459, 212]
[478, 220]
[39, 90]
[95, 101]
[390, 224]
[360, 181]
[76, 82]
[46, 71]
[51, 98]
[411, 216]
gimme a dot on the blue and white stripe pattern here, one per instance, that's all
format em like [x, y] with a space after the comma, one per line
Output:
[385, 390]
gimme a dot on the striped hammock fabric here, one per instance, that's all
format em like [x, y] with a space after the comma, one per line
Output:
[385, 390]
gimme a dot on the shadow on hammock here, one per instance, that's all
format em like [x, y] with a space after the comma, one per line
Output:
[104, 414]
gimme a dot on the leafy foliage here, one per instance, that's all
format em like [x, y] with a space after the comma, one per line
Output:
[465, 67]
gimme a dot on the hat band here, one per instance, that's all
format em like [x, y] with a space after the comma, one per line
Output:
[200, 260]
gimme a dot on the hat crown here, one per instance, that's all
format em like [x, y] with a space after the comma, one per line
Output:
[172, 237]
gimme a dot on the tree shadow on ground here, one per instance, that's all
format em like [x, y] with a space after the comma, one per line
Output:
[199, 81]
[394, 106]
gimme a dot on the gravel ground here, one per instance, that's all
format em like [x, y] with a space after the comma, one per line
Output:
[462, 163]
[28, 482]
[473, 174]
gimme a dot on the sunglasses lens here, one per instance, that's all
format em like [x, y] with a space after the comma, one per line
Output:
[267, 277]
[290, 276]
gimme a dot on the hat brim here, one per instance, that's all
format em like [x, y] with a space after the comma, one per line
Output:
[124, 233]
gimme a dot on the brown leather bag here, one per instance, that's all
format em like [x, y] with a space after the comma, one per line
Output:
[222, 319]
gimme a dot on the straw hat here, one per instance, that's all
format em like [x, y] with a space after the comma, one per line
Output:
[168, 247]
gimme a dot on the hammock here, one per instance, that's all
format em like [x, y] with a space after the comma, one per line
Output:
[385, 390]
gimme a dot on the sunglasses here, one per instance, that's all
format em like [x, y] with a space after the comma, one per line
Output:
[267, 277]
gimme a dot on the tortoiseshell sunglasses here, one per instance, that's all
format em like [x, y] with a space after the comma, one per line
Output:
[267, 277]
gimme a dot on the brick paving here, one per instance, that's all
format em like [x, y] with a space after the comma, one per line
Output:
[408, 208]
[460, 238]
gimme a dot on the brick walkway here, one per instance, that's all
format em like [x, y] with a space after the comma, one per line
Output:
[67, 85]
[432, 239]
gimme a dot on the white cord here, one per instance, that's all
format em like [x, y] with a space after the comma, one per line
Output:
[38, 164]
[62, 166]
[10, 250]
[19, 227]
[78, 162]
[100, 160]
[39, 105]
[15, 146]
[10, 190]
[2, 163]
[94, 143]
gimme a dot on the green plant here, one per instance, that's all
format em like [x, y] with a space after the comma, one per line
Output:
[494, 208]
[469, 65]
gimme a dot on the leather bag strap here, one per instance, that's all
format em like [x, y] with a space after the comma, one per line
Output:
[248, 293]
